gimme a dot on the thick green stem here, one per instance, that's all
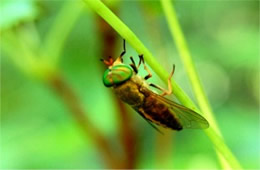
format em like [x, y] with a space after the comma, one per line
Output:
[132, 39]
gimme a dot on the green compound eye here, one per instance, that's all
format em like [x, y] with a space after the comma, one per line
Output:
[116, 75]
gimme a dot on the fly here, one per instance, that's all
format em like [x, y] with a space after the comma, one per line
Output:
[135, 91]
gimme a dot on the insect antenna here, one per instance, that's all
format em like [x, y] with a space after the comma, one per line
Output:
[108, 62]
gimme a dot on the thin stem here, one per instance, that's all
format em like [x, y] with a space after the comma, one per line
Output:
[128, 137]
[127, 34]
[26, 58]
[186, 58]
[182, 47]
[60, 30]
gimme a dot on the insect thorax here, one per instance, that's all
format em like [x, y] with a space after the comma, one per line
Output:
[129, 91]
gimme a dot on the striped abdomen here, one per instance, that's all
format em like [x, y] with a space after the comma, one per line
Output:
[159, 113]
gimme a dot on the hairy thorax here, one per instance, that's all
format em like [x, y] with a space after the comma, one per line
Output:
[129, 91]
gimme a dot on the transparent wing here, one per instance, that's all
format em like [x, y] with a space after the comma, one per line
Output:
[187, 117]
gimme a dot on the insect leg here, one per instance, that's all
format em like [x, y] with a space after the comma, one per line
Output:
[155, 86]
[145, 67]
[133, 65]
[140, 61]
[159, 88]
[165, 92]
[169, 91]
[124, 51]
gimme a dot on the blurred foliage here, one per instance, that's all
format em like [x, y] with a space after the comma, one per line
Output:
[37, 130]
[25, 11]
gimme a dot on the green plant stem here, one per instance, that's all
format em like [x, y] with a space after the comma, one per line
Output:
[131, 38]
[182, 47]
[60, 30]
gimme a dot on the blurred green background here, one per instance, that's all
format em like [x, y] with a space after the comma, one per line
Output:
[38, 128]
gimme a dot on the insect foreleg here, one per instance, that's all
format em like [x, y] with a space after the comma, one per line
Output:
[124, 51]
[119, 60]
[133, 65]
[140, 60]
[145, 67]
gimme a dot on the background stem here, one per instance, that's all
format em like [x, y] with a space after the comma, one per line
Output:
[55, 39]
[27, 55]
[127, 134]
[182, 47]
[68, 96]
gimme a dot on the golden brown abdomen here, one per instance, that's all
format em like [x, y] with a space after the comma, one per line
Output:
[159, 113]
